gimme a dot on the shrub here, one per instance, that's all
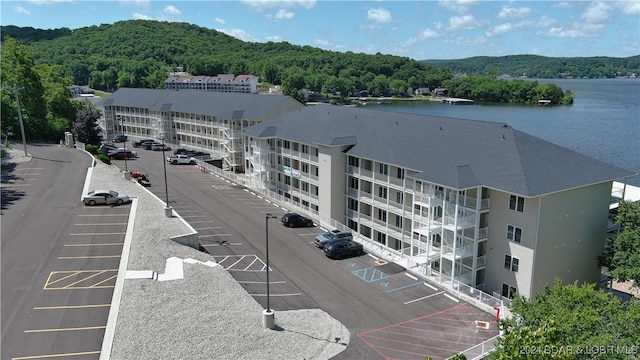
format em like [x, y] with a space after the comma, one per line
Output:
[92, 149]
[104, 158]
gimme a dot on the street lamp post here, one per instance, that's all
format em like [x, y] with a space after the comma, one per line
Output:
[267, 314]
[168, 211]
[124, 145]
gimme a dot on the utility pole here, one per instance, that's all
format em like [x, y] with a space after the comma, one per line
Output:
[17, 89]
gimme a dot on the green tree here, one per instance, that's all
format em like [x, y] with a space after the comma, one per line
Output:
[564, 320]
[20, 78]
[625, 250]
[85, 127]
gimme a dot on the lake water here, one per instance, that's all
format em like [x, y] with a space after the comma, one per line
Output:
[603, 122]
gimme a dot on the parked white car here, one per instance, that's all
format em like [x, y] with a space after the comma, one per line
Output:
[105, 197]
[181, 159]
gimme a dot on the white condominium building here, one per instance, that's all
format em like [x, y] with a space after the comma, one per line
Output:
[247, 84]
[475, 202]
[207, 121]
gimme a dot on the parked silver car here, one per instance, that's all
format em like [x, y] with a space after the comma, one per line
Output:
[332, 235]
[105, 197]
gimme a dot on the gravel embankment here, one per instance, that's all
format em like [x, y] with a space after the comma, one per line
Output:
[206, 314]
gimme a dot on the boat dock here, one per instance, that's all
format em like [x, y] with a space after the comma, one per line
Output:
[457, 101]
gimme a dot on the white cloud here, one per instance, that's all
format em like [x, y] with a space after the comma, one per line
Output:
[283, 14]
[422, 35]
[274, 38]
[630, 7]
[465, 22]
[20, 10]
[379, 15]
[499, 30]
[219, 20]
[172, 10]
[139, 16]
[49, 2]
[239, 34]
[562, 5]
[575, 31]
[512, 12]
[139, 3]
[458, 6]
[260, 5]
[544, 21]
[597, 13]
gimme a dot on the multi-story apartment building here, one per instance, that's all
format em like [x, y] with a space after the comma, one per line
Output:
[478, 203]
[474, 202]
[208, 121]
[247, 84]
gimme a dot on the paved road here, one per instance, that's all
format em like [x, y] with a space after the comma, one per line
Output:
[389, 313]
[58, 258]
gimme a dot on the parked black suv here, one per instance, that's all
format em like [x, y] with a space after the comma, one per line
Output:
[142, 142]
[296, 220]
[343, 249]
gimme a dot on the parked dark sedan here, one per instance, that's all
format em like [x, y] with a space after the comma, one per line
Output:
[343, 249]
[296, 220]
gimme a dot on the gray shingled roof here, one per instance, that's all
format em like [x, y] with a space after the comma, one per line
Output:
[222, 105]
[452, 152]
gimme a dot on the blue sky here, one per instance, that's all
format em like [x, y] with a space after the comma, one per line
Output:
[416, 29]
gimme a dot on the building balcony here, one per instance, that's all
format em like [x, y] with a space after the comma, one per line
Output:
[259, 150]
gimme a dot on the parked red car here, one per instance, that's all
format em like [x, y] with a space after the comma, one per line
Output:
[121, 154]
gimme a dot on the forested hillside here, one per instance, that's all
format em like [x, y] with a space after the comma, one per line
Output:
[137, 53]
[541, 67]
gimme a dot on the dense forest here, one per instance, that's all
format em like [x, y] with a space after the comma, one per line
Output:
[541, 67]
[137, 53]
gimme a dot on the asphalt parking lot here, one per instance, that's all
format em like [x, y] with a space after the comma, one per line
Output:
[386, 309]
[59, 258]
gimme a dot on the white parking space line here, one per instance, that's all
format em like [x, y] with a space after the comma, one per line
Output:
[210, 227]
[451, 297]
[198, 222]
[424, 297]
[213, 235]
[262, 282]
[413, 277]
[432, 287]
[277, 295]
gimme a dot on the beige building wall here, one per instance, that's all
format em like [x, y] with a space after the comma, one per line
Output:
[331, 183]
[499, 218]
[572, 227]
[562, 234]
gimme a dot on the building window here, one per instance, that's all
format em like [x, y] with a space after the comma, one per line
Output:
[286, 144]
[511, 263]
[353, 182]
[400, 173]
[400, 198]
[304, 186]
[354, 161]
[383, 169]
[382, 215]
[287, 180]
[382, 192]
[399, 221]
[508, 291]
[514, 234]
[516, 203]
[381, 237]
[305, 168]
[305, 149]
